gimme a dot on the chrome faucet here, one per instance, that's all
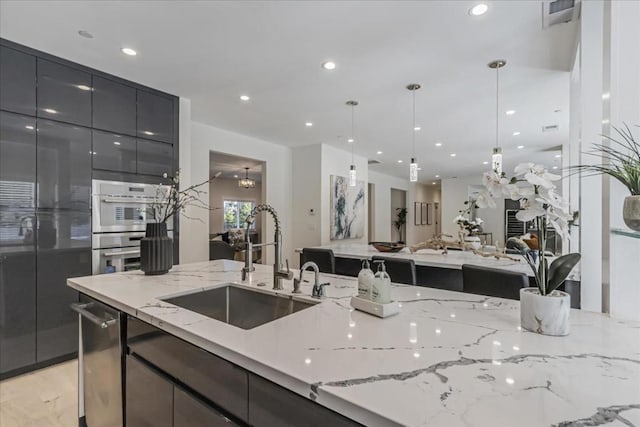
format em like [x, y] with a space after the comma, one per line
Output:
[278, 273]
[305, 266]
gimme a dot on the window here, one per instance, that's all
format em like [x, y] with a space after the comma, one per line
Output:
[236, 212]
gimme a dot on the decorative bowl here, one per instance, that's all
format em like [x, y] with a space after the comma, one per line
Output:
[387, 246]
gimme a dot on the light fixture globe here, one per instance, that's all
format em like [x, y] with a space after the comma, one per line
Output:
[352, 168]
[246, 182]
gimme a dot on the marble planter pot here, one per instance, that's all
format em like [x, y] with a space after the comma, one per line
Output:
[631, 212]
[547, 315]
[474, 241]
[156, 250]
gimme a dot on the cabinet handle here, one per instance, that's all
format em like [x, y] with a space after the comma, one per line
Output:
[82, 310]
[110, 254]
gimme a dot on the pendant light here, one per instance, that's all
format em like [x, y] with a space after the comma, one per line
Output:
[413, 167]
[496, 158]
[352, 169]
[246, 182]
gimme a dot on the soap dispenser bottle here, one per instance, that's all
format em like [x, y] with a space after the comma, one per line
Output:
[381, 290]
[365, 281]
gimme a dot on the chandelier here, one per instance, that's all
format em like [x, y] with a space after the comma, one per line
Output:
[246, 182]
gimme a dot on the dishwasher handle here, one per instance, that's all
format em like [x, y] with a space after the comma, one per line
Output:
[82, 310]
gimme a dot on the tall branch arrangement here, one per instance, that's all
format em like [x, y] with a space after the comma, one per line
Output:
[169, 202]
[621, 160]
[533, 187]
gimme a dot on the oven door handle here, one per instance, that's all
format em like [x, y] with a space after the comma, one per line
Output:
[133, 201]
[110, 254]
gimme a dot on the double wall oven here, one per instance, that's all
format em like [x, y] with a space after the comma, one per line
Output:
[120, 212]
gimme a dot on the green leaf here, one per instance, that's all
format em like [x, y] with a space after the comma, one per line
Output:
[560, 269]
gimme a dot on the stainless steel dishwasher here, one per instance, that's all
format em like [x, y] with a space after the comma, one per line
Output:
[99, 365]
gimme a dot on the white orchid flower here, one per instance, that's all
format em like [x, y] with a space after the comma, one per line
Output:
[458, 219]
[512, 191]
[485, 200]
[479, 220]
[494, 182]
[526, 215]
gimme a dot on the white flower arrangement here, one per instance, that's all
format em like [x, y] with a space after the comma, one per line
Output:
[533, 186]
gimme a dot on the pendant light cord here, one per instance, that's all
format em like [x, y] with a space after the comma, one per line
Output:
[497, 104]
[414, 123]
[353, 140]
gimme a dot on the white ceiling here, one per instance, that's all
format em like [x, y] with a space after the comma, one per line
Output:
[233, 167]
[212, 52]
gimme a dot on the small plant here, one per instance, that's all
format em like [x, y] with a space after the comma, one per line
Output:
[621, 160]
[401, 220]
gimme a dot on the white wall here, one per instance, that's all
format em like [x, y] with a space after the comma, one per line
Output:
[277, 178]
[382, 204]
[306, 194]
[454, 193]
[424, 194]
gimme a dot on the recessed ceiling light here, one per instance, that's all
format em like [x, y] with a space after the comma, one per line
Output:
[438, 144]
[520, 147]
[329, 65]
[83, 87]
[510, 112]
[516, 133]
[85, 34]
[557, 156]
[417, 128]
[29, 127]
[453, 154]
[555, 167]
[485, 163]
[399, 161]
[116, 142]
[244, 97]
[379, 152]
[437, 176]
[128, 51]
[308, 124]
[433, 183]
[350, 140]
[235, 176]
[479, 9]
[50, 111]
[606, 95]
[148, 132]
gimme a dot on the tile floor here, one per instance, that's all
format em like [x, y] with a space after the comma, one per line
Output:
[48, 397]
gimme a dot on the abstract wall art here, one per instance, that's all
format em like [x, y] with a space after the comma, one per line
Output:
[347, 209]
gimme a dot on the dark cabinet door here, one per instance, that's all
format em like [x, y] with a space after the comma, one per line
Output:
[114, 152]
[155, 116]
[17, 161]
[114, 106]
[149, 396]
[64, 93]
[17, 81]
[17, 290]
[189, 411]
[64, 166]
[155, 158]
[64, 251]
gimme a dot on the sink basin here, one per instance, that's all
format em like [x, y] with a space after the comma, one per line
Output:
[238, 306]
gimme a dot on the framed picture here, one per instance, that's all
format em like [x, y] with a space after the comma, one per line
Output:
[430, 213]
[347, 209]
[417, 213]
[423, 214]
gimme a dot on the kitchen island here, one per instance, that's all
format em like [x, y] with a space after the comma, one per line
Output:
[447, 359]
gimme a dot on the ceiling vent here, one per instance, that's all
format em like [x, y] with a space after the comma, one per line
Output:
[374, 162]
[559, 11]
[550, 128]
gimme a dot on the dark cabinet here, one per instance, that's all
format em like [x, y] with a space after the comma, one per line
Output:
[149, 396]
[189, 411]
[114, 106]
[17, 161]
[114, 152]
[64, 251]
[155, 158]
[155, 116]
[64, 93]
[272, 405]
[17, 81]
[17, 290]
[64, 166]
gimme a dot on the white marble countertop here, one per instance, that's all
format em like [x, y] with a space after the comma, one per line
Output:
[434, 258]
[448, 359]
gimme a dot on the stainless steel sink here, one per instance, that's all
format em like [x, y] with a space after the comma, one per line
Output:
[239, 306]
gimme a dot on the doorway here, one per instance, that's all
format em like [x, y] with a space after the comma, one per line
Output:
[398, 201]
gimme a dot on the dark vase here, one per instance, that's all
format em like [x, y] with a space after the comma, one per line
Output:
[156, 250]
